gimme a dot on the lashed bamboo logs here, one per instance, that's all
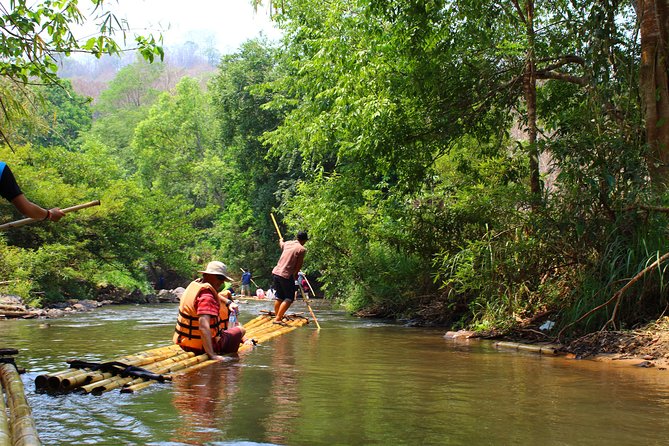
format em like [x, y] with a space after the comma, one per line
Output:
[165, 361]
[21, 423]
[5, 434]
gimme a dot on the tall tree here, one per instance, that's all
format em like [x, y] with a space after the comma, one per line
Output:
[654, 85]
[254, 181]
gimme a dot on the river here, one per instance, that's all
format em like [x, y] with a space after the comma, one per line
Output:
[354, 382]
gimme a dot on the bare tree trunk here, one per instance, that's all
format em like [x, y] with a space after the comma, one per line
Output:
[654, 85]
[530, 81]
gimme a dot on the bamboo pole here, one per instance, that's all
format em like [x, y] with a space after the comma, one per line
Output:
[5, 434]
[309, 284]
[276, 226]
[306, 301]
[22, 424]
[257, 321]
[26, 221]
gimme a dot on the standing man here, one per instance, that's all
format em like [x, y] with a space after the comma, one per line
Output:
[11, 191]
[246, 283]
[203, 315]
[285, 272]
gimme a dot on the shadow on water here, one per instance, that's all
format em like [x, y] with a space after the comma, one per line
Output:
[353, 382]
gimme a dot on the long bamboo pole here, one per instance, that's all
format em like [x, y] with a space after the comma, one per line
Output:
[276, 226]
[306, 301]
[24, 432]
[5, 433]
[26, 221]
[310, 287]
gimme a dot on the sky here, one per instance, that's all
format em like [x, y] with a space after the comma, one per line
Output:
[227, 22]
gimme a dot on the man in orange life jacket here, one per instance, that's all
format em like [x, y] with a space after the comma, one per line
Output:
[203, 316]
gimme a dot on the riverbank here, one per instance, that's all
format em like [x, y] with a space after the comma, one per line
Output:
[644, 347]
[647, 346]
[14, 307]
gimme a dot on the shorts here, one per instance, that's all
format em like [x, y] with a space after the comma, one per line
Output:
[229, 341]
[245, 289]
[284, 288]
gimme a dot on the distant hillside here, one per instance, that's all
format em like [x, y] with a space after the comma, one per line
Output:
[90, 76]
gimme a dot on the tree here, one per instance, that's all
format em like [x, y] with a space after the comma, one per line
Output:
[126, 101]
[172, 144]
[34, 34]
[253, 181]
[654, 85]
[64, 116]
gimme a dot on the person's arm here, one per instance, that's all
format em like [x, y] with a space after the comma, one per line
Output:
[225, 298]
[30, 209]
[207, 342]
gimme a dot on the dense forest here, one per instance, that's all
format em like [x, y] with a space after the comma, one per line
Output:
[480, 164]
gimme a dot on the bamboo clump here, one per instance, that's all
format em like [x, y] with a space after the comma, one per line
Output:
[166, 361]
[18, 428]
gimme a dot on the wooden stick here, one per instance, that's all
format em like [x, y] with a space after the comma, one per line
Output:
[312, 290]
[276, 226]
[26, 221]
[309, 306]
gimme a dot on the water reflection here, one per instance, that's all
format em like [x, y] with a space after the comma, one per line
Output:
[203, 401]
[284, 393]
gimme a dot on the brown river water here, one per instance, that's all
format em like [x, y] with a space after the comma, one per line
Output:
[354, 382]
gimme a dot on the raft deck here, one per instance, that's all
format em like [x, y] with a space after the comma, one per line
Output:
[135, 372]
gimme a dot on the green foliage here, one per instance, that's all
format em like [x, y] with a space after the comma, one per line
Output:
[172, 143]
[34, 34]
[64, 115]
[252, 183]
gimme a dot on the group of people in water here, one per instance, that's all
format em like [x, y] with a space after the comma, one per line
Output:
[205, 308]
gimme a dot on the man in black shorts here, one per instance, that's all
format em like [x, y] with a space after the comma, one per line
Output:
[285, 272]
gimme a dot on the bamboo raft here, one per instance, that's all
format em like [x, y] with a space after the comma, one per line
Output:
[158, 365]
[17, 426]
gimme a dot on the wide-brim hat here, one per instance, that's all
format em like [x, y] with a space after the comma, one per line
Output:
[218, 269]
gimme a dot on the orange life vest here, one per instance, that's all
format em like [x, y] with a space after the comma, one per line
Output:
[187, 330]
[224, 312]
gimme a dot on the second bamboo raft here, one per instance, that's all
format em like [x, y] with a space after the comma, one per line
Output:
[17, 426]
[166, 362]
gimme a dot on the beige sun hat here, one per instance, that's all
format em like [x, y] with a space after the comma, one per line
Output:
[218, 269]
